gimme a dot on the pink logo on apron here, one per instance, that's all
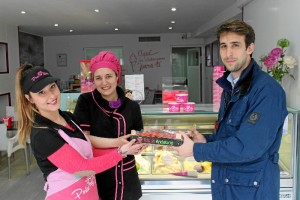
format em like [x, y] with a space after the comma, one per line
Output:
[84, 189]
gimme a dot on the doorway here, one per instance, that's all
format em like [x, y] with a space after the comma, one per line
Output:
[187, 62]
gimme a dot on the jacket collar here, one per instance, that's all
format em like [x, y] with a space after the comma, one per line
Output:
[41, 121]
[104, 103]
[245, 79]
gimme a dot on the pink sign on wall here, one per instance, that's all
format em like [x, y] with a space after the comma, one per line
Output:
[145, 59]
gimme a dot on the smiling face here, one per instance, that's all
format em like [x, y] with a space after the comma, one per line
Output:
[234, 53]
[106, 82]
[47, 100]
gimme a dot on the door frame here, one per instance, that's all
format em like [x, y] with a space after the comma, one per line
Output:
[202, 67]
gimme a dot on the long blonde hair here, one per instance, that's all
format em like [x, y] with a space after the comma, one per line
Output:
[25, 110]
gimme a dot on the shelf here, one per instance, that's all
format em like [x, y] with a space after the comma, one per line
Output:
[162, 109]
[74, 86]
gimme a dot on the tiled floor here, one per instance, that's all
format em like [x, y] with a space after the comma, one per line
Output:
[20, 186]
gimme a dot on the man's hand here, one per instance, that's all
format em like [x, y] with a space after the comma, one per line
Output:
[196, 136]
[186, 149]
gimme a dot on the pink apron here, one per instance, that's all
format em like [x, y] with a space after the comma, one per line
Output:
[62, 185]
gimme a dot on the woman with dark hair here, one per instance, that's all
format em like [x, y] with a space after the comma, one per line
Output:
[107, 113]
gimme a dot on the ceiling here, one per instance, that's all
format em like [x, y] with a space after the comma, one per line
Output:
[129, 16]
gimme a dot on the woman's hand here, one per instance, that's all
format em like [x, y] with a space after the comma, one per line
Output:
[103, 143]
[131, 148]
[139, 150]
[121, 140]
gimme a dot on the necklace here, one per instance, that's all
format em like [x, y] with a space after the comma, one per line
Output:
[115, 104]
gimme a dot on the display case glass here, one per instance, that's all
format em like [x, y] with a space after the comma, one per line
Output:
[157, 175]
[288, 146]
[159, 162]
[172, 86]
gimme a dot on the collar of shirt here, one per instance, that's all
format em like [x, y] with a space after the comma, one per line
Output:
[231, 80]
[43, 121]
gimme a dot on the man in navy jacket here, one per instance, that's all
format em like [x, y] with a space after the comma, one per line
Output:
[244, 149]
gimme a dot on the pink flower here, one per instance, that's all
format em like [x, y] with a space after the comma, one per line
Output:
[277, 63]
[270, 61]
[276, 52]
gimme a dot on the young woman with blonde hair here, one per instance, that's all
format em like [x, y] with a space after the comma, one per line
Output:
[63, 153]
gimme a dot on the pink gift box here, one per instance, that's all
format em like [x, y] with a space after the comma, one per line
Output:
[174, 107]
[188, 107]
[182, 98]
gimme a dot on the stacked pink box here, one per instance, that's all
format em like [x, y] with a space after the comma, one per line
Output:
[217, 90]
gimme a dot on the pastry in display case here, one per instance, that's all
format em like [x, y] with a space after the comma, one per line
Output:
[148, 150]
[162, 160]
[166, 162]
[162, 147]
[190, 164]
[143, 164]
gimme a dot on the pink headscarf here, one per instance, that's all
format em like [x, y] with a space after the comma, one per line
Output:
[106, 59]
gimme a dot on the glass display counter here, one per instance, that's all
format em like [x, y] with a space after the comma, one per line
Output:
[156, 180]
[155, 177]
[68, 101]
[288, 156]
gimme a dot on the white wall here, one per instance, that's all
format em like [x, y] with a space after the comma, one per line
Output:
[9, 35]
[210, 26]
[73, 47]
[272, 20]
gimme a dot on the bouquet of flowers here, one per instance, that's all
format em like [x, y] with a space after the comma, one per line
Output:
[277, 63]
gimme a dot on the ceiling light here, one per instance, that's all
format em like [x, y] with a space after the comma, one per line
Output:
[173, 9]
[23, 12]
[96, 10]
[170, 28]
[172, 22]
[116, 29]
[55, 24]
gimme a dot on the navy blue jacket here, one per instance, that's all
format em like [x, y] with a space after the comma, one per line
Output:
[244, 149]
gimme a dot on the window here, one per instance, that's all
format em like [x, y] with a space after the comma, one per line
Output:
[5, 100]
[208, 55]
[4, 68]
[90, 52]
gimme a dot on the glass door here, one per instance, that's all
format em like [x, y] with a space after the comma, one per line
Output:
[194, 75]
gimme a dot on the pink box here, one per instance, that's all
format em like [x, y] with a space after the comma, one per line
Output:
[182, 98]
[219, 69]
[174, 107]
[170, 95]
[188, 107]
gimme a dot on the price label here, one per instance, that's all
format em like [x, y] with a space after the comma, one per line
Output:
[286, 195]
[167, 159]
